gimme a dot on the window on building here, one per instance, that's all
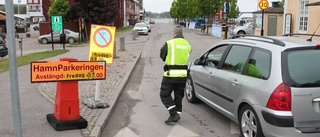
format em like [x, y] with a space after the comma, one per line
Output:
[34, 1]
[303, 16]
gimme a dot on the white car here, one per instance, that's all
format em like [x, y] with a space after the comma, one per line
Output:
[142, 28]
[241, 30]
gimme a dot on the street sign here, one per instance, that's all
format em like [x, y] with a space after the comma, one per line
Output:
[56, 23]
[263, 4]
[226, 7]
[102, 43]
[67, 71]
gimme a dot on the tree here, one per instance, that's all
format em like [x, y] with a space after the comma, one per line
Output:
[173, 9]
[281, 4]
[60, 7]
[100, 12]
[208, 7]
[234, 9]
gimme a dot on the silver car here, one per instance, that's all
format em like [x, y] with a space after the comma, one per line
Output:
[245, 29]
[142, 28]
[71, 37]
[270, 86]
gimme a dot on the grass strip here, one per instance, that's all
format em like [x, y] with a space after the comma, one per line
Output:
[26, 59]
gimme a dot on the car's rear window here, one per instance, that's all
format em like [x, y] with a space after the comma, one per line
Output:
[141, 25]
[302, 68]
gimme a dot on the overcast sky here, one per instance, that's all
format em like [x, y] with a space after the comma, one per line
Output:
[165, 5]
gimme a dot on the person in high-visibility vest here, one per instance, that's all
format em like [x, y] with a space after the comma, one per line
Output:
[175, 54]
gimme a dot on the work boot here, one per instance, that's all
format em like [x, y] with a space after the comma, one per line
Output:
[173, 118]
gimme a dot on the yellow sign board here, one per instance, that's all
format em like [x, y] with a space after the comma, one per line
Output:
[67, 71]
[263, 4]
[102, 43]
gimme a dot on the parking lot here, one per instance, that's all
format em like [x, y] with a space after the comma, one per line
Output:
[31, 44]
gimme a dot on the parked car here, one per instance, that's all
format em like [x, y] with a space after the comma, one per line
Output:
[3, 48]
[142, 28]
[152, 22]
[270, 86]
[35, 27]
[71, 37]
[148, 25]
[245, 29]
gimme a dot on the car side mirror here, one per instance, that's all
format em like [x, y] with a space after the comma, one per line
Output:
[197, 62]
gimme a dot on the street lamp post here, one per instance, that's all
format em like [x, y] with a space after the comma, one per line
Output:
[19, 1]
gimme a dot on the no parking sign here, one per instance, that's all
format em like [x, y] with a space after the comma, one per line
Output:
[102, 43]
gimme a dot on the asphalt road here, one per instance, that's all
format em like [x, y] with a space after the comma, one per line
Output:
[139, 111]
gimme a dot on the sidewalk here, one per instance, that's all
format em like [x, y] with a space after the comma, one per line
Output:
[35, 106]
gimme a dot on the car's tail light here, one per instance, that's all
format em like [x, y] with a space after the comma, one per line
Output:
[280, 99]
[318, 45]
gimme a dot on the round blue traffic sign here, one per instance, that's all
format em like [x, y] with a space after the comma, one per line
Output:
[102, 37]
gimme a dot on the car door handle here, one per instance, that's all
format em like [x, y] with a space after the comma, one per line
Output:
[235, 82]
[210, 74]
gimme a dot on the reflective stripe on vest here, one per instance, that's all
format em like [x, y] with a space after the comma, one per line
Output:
[175, 73]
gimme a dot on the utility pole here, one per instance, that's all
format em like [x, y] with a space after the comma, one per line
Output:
[19, 1]
[14, 83]
[124, 13]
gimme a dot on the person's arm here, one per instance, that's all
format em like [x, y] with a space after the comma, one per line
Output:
[163, 52]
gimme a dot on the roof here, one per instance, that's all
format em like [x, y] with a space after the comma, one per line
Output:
[314, 4]
[20, 16]
[271, 10]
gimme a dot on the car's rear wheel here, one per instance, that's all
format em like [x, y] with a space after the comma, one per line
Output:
[71, 40]
[44, 40]
[249, 123]
[189, 90]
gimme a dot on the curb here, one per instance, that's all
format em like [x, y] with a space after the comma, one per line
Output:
[137, 41]
[103, 118]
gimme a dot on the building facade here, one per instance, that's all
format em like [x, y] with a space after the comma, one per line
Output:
[130, 12]
[272, 22]
[301, 16]
[35, 11]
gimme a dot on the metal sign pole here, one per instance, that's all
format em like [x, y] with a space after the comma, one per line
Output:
[52, 46]
[97, 94]
[262, 31]
[14, 83]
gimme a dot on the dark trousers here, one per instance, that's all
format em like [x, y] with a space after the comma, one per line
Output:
[176, 85]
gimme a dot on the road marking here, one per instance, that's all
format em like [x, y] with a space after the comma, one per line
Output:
[125, 132]
[179, 131]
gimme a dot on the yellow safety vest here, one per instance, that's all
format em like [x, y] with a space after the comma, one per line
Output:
[177, 55]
